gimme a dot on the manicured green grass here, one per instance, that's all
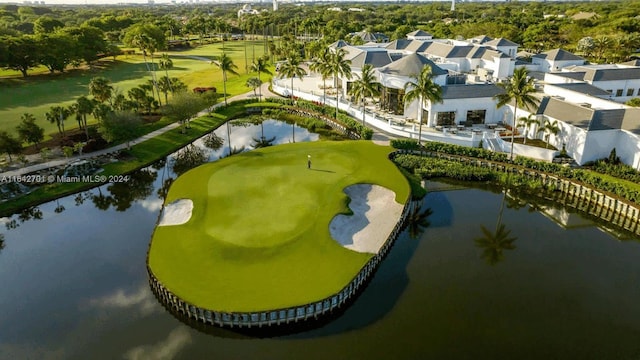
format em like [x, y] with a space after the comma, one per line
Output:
[258, 237]
[38, 93]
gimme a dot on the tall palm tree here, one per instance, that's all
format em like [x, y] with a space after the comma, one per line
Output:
[322, 65]
[364, 87]
[149, 46]
[339, 67]
[550, 127]
[291, 69]
[260, 66]
[83, 107]
[165, 63]
[100, 88]
[527, 122]
[225, 64]
[520, 89]
[58, 115]
[422, 88]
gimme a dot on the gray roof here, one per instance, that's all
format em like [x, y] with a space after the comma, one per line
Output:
[569, 113]
[558, 55]
[419, 33]
[577, 75]
[374, 58]
[583, 88]
[367, 36]
[501, 42]
[631, 120]
[489, 54]
[634, 62]
[399, 44]
[418, 45]
[338, 44]
[448, 50]
[592, 74]
[470, 91]
[582, 116]
[609, 119]
[411, 65]
[481, 39]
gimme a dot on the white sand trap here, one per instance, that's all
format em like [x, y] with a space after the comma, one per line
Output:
[176, 213]
[375, 214]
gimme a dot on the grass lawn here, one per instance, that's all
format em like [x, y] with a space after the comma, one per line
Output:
[38, 93]
[258, 237]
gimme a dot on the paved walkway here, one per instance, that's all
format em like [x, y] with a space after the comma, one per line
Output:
[63, 161]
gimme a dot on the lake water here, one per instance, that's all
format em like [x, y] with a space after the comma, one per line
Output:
[74, 286]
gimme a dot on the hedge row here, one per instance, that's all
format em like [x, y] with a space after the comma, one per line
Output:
[628, 191]
[348, 122]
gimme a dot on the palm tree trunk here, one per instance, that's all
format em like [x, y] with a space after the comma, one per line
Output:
[324, 91]
[363, 113]
[259, 88]
[224, 86]
[420, 123]
[513, 128]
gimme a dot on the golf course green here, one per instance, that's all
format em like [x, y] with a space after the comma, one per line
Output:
[258, 235]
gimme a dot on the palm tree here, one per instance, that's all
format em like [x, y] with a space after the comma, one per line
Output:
[527, 122]
[339, 67]
[291, 68]
[148, 45]
[519, 89]
[165, 63]
[227, 66]
[322, 65]
[83, 107]
[423, 89]
[550, 127]
[260, 66]
[364, 87]
[57, 115]
[100, 88]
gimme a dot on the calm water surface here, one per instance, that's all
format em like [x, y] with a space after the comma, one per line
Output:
[74, 286]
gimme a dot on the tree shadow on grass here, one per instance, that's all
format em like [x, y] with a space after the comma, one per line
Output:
[41, 92]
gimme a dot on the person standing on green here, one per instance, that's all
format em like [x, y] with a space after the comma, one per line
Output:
[308, 161]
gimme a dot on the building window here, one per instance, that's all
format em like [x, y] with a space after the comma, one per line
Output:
[619, 92]
[476, 116]
[446, 118]
[610, 91]
[630, 92]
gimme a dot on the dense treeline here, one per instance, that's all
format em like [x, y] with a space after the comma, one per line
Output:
[61, 36]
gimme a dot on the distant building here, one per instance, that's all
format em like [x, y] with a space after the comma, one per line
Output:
[247, 10]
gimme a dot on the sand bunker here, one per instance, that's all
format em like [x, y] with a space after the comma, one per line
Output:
[375, 214]
[176, 213]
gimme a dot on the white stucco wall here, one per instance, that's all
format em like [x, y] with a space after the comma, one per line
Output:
[628, 148]
[619, 84]
[598, 144]
[461, 106]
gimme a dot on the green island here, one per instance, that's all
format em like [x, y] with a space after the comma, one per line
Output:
[262, 241]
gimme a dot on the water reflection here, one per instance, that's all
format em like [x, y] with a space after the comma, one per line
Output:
[493, 244]
[168, 348]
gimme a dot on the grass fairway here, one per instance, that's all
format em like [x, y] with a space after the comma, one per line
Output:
[258, 238]
[40, 91]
